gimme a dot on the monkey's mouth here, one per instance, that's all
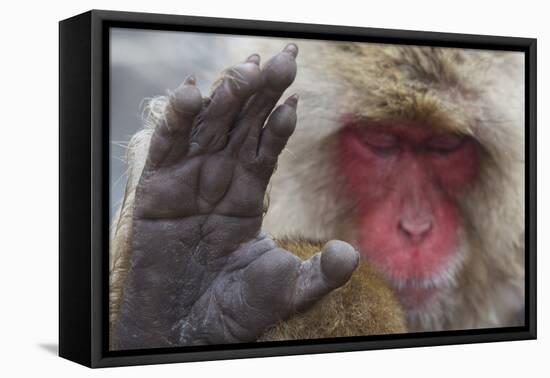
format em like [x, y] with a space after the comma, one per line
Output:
[419, 290]
[412, 297]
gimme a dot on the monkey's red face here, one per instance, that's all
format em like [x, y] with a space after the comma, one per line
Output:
[404, 179]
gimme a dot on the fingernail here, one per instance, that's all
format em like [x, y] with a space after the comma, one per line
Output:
[292, 49]
[292, 100]
[254, 58]
[190, 80]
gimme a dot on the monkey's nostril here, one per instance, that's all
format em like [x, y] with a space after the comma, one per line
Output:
[416, 229]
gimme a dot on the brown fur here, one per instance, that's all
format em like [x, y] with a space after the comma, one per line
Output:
[364, 306]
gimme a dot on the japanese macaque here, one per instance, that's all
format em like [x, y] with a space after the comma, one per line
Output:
[404, 166]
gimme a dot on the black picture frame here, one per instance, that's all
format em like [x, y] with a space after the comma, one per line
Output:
[84, 191]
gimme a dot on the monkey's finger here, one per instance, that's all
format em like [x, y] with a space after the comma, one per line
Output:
[276, 76]
[275, 134]
[171, 135]
[223, 106]
[324, 272]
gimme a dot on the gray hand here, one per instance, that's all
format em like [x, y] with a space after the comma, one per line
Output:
[201, 271]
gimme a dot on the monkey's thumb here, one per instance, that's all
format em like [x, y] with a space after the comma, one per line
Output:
[324, 272]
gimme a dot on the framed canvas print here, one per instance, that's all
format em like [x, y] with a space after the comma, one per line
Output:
[234, 188]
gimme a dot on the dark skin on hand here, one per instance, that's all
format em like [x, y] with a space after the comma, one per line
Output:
[201, 271]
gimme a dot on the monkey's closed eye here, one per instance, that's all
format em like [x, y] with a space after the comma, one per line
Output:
[380, 142]
[445, 143]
